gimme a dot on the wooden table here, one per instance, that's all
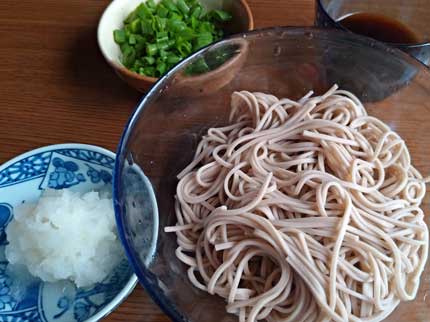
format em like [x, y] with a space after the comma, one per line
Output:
[55, 86]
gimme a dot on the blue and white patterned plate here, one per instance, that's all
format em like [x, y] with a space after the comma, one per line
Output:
[25, 298]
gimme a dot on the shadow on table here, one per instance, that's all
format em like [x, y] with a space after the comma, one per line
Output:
[89, 72]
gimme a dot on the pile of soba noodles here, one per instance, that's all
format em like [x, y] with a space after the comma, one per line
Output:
[303, 210]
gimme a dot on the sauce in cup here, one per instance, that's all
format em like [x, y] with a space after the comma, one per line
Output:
[379, 27]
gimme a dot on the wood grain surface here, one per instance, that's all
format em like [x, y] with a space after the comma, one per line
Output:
[55, 86]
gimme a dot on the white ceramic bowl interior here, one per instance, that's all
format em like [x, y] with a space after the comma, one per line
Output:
[112, 19]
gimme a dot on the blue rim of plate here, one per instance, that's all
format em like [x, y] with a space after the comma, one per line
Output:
[143, 273]
[81, 153]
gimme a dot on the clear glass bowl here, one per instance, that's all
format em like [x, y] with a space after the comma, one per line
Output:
[163, 132]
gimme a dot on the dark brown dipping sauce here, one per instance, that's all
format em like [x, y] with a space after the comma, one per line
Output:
[380, 28]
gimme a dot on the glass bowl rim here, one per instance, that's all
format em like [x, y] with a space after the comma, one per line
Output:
[141, 271]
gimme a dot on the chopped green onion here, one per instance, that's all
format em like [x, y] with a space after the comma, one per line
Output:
[140, 48]
[184, 48]
[173, 59]
[162, 36]
[182, 6]
[149, 60]
[163, 54]
[197, 11]
[135, 26]
[146, 27]
[171, 43]
[169, 5]
[151, 49]
[193, 3]
[155, 37]
[140, 38]
[161, 67]
[143, 11]
[220, 15]
[206, 27]
[119, 36]
[131, 17]
[149, 71]
[151, 4]
[161, 23]
[176, 25]
[187, 33]
[175, 16]
[132, 40]
[137, 64]
[129, 56]
[124, 47]
[162, 11]
[194, 23]
[204, 39]
[162, 45]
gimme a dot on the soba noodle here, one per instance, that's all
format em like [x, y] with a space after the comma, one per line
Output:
[302, 210]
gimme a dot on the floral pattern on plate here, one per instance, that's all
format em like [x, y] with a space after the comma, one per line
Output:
[23, 297]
